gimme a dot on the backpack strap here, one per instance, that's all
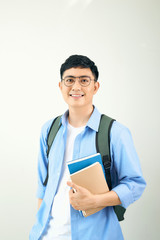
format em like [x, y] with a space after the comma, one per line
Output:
[55, 126]
[103, 147]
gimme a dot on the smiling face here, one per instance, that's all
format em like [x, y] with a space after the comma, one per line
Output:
[78, 96]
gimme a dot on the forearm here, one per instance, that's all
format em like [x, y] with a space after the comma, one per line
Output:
[107, 199]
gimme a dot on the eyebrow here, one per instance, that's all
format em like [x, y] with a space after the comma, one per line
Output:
[77, 76]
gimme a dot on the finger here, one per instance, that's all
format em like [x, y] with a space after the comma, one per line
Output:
[73, 186]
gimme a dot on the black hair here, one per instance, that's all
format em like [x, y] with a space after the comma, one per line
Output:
[79, 61]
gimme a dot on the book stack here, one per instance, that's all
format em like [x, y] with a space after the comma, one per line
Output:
[88, 172]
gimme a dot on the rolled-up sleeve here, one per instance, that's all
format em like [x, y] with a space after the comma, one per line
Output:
[128, 181]
[42, 160]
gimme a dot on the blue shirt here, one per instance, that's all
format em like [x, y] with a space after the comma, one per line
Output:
[126, 176]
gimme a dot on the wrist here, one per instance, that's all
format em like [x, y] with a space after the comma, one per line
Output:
[97, 200]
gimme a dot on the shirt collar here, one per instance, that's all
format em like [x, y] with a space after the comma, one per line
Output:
[92, 123]
[94, 120]
[64, 118]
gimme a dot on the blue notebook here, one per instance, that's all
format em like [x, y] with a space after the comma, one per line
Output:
[79, 164]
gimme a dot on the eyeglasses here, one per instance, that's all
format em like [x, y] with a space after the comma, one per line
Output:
[84, 81]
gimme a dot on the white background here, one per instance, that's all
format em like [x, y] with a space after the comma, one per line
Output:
[36, 37]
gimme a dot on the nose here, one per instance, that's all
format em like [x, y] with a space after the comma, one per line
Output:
[76, 85]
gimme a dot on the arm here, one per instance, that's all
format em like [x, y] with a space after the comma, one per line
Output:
[127, 177]
[127, 180]
[42, 160]
[82, 199]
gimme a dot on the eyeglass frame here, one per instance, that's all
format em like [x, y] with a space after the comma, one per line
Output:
[63, 79]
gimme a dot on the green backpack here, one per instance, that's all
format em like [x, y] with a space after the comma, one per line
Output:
[102, 146]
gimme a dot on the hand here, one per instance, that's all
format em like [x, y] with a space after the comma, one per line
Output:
[80, 198]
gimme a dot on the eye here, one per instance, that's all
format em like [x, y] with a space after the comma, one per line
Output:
[69, 80]
[84, 80]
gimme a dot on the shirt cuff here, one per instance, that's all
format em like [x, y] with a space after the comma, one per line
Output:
[124, 194]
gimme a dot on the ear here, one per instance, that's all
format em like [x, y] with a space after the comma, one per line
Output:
[60, 85]
[96, 87]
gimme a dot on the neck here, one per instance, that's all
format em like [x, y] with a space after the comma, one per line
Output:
[79, 117]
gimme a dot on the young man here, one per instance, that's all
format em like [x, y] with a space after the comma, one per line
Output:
[58, 217]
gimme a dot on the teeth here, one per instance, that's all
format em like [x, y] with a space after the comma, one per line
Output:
[76, 95]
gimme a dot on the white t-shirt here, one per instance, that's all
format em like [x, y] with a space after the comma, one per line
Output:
[59, 227]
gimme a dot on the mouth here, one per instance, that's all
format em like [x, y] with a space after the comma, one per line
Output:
[76, 95]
